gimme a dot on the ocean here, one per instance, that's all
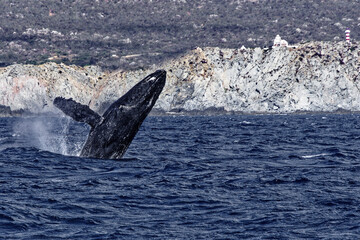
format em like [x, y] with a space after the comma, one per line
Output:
[201, 177]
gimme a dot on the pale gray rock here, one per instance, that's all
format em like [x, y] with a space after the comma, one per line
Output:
[315, 76]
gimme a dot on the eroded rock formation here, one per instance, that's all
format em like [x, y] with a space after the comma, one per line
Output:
[315, 76]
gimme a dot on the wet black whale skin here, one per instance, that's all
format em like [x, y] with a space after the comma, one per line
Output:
[111, 134]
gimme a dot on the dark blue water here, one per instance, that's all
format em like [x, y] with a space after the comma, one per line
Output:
[225, 177]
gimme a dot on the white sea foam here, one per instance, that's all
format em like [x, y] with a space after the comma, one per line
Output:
[315, 155]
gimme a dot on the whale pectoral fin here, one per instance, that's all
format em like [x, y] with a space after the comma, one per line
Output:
[77, 111]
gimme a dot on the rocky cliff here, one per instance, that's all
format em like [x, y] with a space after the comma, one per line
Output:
[316, 76]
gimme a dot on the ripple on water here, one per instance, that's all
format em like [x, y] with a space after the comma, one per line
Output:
[223, 177]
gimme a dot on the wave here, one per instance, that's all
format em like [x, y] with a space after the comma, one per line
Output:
[315, 155]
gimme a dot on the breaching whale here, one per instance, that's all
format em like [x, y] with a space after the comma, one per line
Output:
[111, 134]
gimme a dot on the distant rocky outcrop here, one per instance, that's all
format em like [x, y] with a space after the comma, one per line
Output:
[6, 111]
[316, 76]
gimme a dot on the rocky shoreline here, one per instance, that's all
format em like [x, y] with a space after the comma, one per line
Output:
[312, 77]
[6, 111]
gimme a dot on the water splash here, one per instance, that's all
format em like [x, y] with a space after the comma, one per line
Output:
[51, 134]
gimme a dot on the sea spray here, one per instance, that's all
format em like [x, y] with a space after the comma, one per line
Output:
[51, 134]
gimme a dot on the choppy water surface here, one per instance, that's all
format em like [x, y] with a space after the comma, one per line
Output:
[227, 177]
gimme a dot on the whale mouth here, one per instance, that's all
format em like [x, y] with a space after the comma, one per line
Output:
[155, 83]
[155, 86]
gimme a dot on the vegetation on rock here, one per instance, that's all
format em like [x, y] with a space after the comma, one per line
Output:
[133, 33]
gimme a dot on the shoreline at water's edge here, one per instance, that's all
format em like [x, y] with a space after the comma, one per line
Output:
[218, 112]
[185, 113]
[5, 111]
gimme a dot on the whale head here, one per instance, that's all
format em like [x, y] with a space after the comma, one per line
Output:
[142, 97]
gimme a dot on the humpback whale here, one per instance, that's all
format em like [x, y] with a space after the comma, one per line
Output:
[111, 134]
